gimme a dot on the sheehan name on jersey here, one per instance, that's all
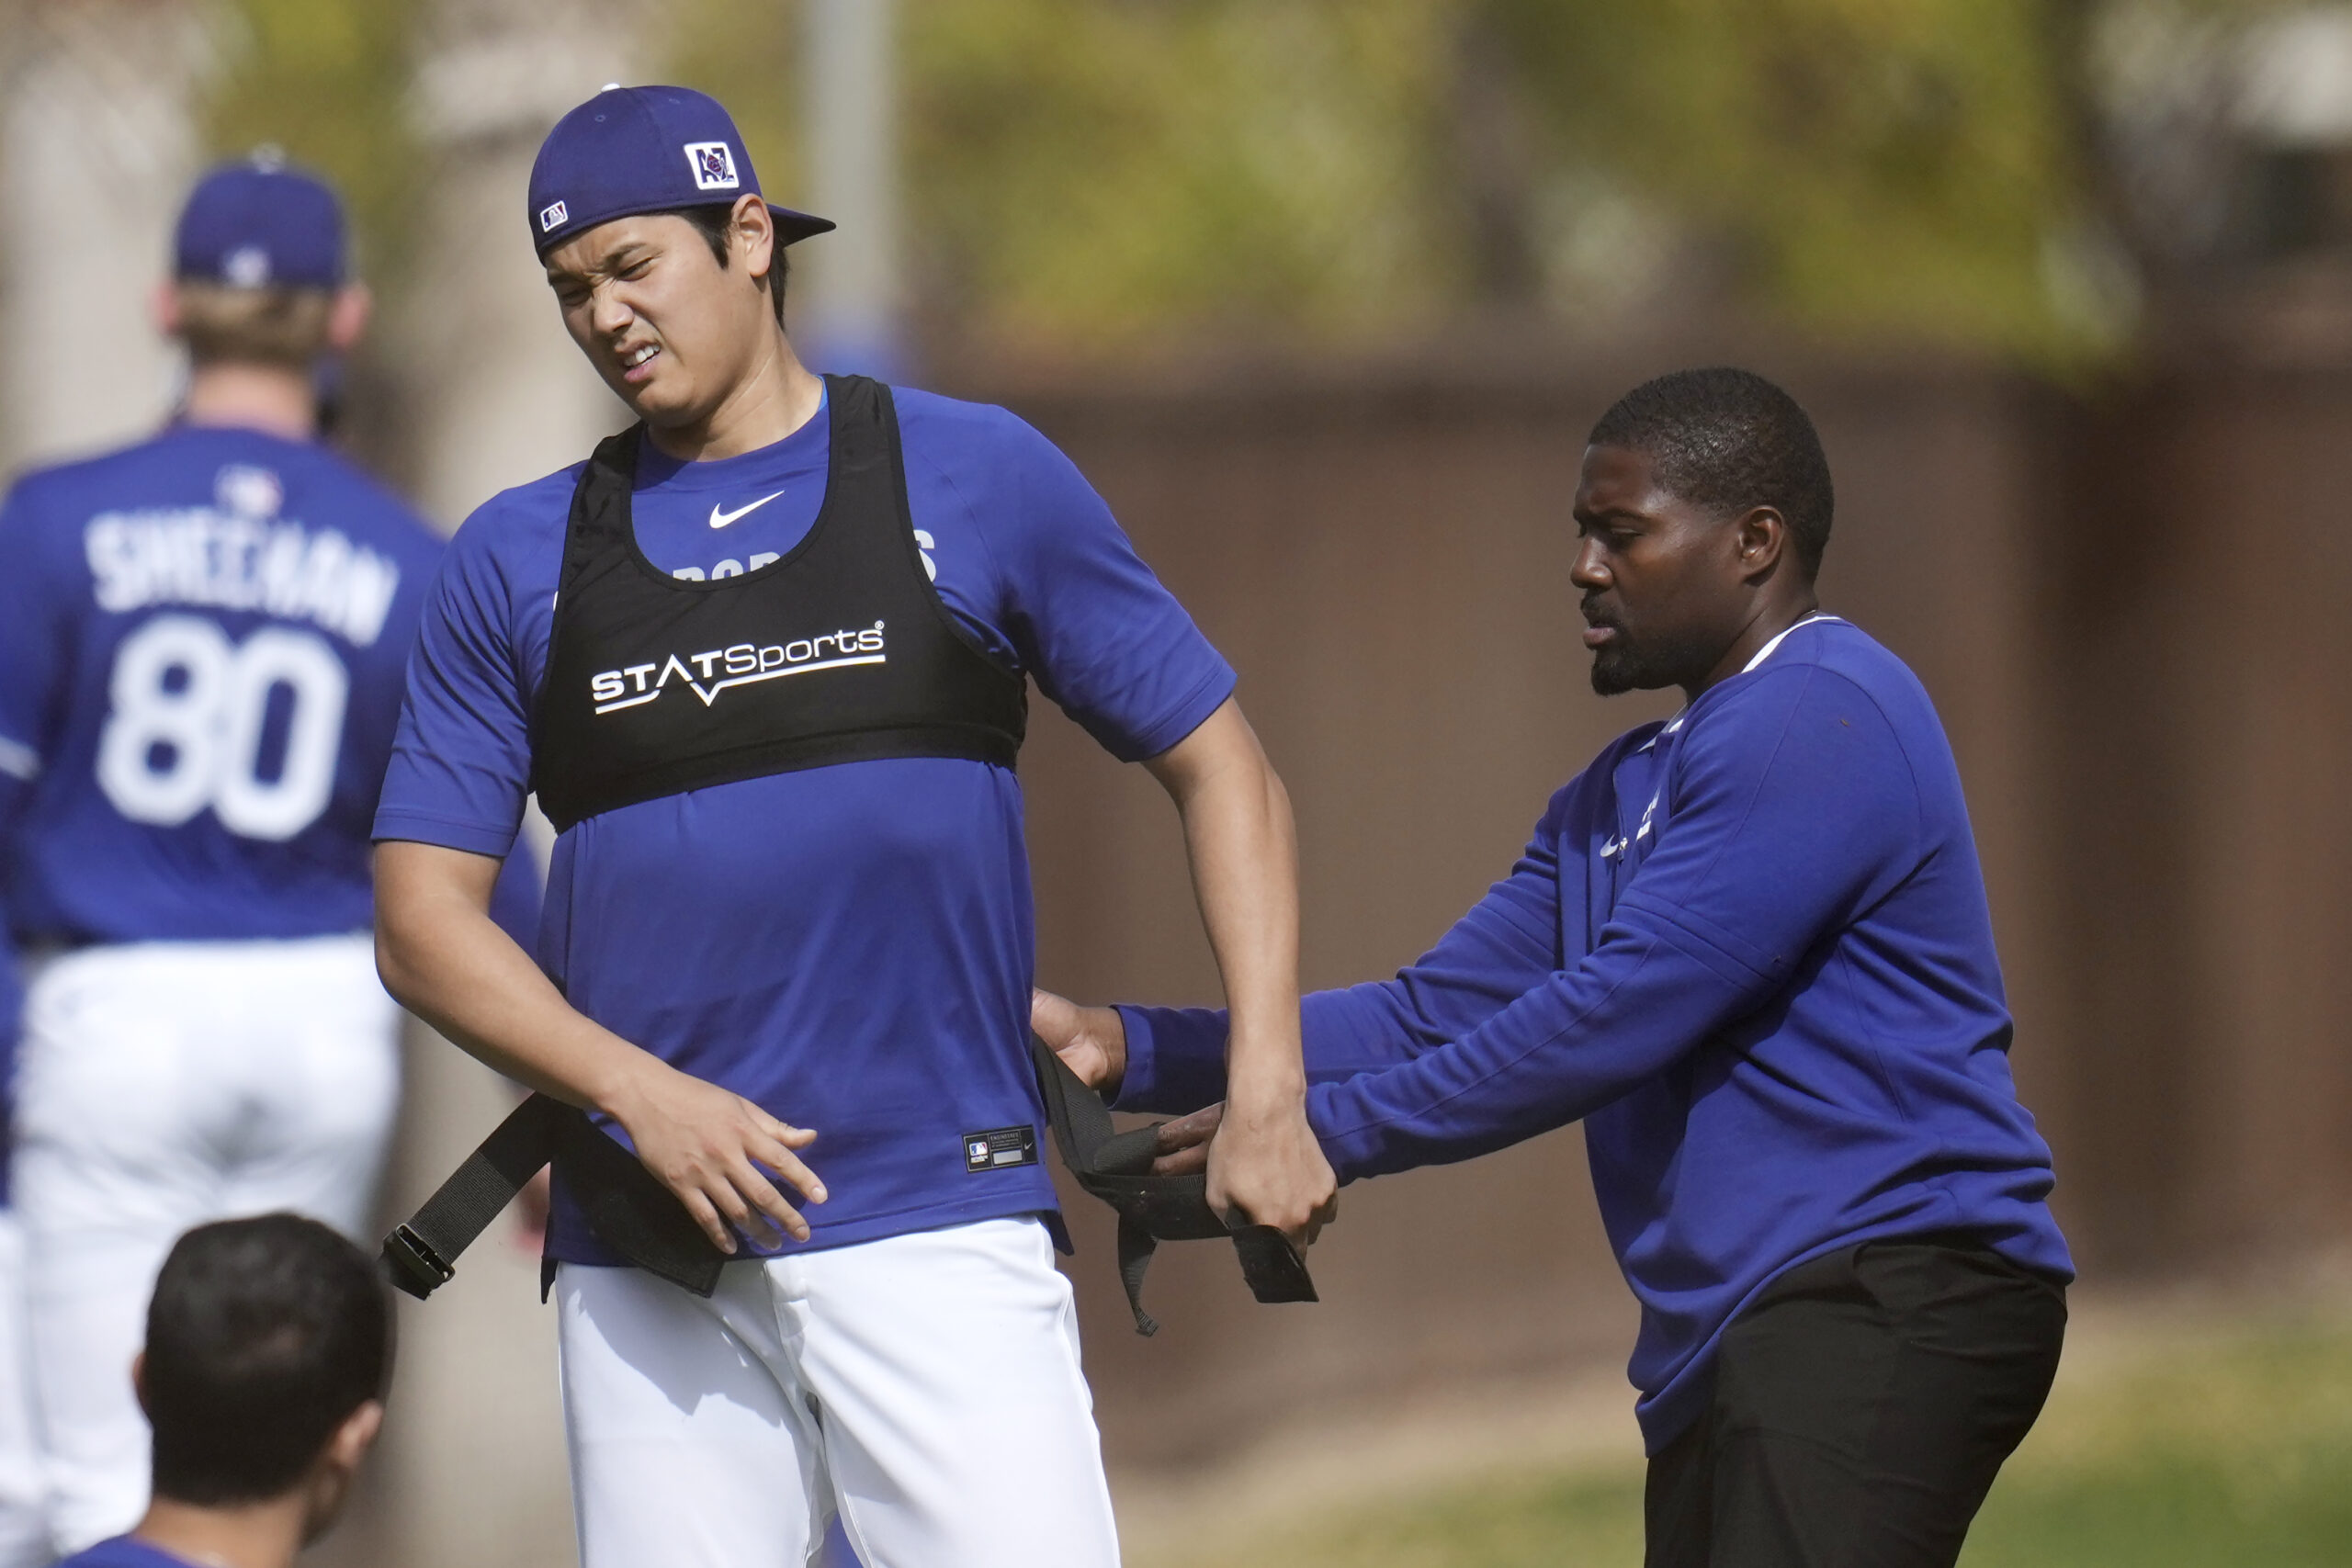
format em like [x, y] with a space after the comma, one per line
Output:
[201, 555]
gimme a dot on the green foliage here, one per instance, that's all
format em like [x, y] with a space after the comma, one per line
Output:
[1084, 175]
[1081, 169]
[327, 80]
[1876, 166]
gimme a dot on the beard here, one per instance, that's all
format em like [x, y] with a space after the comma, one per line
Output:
[1627, 664]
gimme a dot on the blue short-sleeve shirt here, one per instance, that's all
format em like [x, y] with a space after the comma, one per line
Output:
[850, 947]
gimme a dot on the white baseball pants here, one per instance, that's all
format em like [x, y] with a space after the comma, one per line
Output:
[927, 1387]
[24, 1513]
[162, 1085]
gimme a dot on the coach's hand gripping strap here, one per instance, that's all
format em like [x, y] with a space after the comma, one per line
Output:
[627, 1205]
[1116, 1167]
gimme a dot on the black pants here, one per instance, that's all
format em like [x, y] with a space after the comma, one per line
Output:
[1863, 1405]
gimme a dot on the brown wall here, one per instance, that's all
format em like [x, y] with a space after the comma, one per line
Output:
[2200, 858]
[2128, 614]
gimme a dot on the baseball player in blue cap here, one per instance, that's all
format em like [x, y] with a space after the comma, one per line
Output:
[763, 657]
[202, 644]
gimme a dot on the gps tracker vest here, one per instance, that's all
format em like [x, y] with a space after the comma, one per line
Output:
[841, 651]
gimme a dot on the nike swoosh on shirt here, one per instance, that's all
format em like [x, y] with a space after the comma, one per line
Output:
[720, 519]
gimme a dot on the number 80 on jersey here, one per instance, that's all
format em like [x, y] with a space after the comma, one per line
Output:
[189, 717]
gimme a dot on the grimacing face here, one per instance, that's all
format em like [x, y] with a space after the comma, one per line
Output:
[671, 330]
[1662, 577]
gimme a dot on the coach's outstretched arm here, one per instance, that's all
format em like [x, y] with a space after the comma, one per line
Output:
[1796, 810]
[1244, 849]
[448, 961]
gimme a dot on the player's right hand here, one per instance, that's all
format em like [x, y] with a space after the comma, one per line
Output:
[1091, 1042]
[714, 1150]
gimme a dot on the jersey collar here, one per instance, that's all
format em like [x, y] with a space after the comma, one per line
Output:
[1762, 654]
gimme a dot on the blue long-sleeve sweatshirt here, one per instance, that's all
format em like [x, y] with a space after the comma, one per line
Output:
[1750, 949]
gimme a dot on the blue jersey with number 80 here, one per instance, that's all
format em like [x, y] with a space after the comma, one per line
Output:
[202, 644]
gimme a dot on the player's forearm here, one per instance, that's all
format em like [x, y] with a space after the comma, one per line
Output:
[1244, 850]
[443, 958]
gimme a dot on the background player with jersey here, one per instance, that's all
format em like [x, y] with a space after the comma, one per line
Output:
[790, 907]
[202, 645]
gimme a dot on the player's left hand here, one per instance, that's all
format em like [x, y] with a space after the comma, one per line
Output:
[1263, 1161]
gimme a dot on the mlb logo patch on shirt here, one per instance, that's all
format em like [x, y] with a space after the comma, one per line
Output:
[713, 163]
[999, 1148]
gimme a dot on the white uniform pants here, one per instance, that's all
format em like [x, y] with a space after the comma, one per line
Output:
[163, 1085]
[24, 1515]
[925, 1387]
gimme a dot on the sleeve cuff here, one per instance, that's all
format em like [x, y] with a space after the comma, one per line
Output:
[471, 837]
[1175, 1059]
[1179, 721]
[1353, 1154]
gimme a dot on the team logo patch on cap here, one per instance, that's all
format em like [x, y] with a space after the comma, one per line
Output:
[553, 213]
[714, 166]
[247, 266]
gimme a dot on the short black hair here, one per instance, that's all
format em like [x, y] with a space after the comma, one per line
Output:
[715, 224]
[263, 1336]
[1730, 439]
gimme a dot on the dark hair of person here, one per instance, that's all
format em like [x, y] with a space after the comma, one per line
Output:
[1730, 440]
[716, 225]
[263, 1336]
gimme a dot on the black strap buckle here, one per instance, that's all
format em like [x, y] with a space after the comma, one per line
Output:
[627, 1205]
[412, 1265]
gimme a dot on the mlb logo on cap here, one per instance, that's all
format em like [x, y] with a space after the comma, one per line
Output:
[714, 166]
[633, 150]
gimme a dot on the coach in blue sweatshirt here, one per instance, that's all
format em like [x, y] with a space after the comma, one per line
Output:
[1750, 949]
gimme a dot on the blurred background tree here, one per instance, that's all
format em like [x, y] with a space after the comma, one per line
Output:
[1087, 178]
[327, 80]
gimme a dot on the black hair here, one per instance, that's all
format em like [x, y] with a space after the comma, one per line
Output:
[263, 1336]
[1730, 439]
[715, 224]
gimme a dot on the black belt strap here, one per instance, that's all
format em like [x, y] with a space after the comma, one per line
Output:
[1116, 1167]
[632, 1213]
[626, 1204]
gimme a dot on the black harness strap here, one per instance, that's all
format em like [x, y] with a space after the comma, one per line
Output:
[638, 1218]
[627, 1205]
[1116, 1167]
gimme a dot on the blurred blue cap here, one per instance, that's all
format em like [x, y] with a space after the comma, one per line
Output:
[257, 223]
[631, 150]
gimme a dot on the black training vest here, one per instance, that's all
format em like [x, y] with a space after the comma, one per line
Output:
[840, 652]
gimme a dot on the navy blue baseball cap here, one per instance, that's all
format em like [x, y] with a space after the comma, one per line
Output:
[258, 223]
[631, 150]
